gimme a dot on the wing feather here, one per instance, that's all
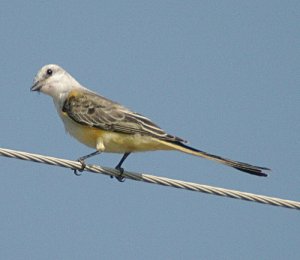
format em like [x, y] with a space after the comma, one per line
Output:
[90, 109]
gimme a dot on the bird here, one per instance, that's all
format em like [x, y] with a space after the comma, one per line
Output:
[107, 126]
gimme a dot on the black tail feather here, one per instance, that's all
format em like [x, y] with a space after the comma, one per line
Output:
[244, 167]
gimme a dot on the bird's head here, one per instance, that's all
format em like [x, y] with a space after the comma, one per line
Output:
[54, 81]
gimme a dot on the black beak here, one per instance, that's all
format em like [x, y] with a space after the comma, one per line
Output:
[36, 86]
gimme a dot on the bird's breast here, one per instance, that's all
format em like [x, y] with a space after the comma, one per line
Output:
[84, 134]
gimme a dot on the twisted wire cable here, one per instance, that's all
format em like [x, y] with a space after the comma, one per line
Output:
[75, 165]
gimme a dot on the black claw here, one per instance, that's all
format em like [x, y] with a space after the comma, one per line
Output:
[83, 165]
[76, 173]
[120, 178]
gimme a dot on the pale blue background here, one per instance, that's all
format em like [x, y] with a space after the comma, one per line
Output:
[222, 74]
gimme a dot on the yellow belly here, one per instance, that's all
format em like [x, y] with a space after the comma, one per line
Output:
[112, 142]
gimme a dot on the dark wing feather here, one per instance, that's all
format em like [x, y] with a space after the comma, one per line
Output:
[90, 109]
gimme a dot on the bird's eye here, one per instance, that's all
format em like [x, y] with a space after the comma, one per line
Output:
[49, 72]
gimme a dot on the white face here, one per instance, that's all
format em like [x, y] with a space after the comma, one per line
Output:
[53, 81]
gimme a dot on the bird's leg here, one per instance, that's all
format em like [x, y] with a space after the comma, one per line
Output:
[120, 178]
[83, 164]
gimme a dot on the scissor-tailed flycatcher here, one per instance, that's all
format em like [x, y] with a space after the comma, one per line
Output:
[110, 127]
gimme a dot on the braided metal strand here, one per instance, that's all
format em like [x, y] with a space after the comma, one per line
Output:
[152, 179]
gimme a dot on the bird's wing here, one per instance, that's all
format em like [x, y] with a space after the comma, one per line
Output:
[90, 109]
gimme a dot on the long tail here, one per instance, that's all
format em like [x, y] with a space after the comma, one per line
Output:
[245, 167]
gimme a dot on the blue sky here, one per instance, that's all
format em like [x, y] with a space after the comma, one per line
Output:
[222, 74]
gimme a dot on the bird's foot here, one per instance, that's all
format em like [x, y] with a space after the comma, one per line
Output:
[120, 178]
[83, 165]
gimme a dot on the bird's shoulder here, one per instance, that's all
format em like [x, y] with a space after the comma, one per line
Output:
[81, 100]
